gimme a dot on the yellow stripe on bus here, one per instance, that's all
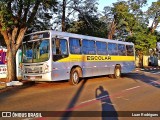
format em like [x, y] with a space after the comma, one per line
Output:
[96, 58]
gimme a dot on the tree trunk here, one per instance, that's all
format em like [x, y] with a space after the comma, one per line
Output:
[64, 16]
[11, 65]
[112, 30]
[154, 25]
[140, 55]
[13, 44]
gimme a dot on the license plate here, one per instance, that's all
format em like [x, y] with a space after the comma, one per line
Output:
[32, 78]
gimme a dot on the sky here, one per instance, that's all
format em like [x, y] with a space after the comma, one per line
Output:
[103, 3]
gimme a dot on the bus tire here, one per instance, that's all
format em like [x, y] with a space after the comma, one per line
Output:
[117, 72]
[74, 76]
[111, 75]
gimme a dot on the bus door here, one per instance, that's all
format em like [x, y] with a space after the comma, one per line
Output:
[60, 59]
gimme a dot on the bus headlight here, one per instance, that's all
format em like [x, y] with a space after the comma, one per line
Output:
[22, 69]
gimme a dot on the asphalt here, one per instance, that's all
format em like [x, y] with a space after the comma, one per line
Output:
[4, 87]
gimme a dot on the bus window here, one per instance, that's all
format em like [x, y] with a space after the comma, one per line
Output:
[101, 48]
[60, 47]
[75, 46]
[121, 49]
[63, 47]
[112, 49]
[130, 51]
[89, 47]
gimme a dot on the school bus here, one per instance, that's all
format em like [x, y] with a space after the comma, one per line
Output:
[54, 56]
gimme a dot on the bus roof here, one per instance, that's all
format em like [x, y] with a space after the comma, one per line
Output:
[66, 34]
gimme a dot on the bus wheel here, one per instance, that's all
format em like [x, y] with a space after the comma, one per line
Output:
[111, 75]
[74, 77]
[117, 72]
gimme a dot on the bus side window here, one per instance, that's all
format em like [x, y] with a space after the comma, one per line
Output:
[75, 45]
[112, 49]
[130, 51]
[121, 49]
[101, 48]
[57, 42]
[88, 47]
[63, 47]
[53, 46]
[59, 47]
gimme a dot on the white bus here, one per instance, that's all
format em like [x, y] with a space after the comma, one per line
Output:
[53, 56]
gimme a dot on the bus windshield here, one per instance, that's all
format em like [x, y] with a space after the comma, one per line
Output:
[36, 51]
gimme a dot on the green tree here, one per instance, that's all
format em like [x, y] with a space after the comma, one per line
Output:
[2, 42]
[16, 16]
[69, 10]
[153, 13]
[98, 29]
[118, 17]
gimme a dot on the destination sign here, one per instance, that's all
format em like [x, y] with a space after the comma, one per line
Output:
[37, 36]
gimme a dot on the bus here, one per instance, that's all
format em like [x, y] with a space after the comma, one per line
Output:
[3, 62]
[54, 56]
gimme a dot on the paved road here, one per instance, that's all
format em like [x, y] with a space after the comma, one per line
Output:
[135, 92]
[153, 70]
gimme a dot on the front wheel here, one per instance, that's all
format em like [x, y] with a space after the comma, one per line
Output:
[117, 72]
[74, 77]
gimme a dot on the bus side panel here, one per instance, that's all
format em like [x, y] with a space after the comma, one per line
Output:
[127, 67]
[60, 71]
[95, 69]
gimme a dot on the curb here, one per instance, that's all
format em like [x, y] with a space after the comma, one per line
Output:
[12, 85]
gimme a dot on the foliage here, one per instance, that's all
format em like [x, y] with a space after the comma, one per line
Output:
[98, 28]
[2, 42]
[16, 16]
[143, 42]
[88, 22]
[35, 14]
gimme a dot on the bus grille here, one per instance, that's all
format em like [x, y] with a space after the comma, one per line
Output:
[33, 70]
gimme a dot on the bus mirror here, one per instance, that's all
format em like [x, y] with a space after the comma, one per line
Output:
[80, 42]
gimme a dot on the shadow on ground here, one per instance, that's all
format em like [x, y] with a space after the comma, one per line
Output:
[143, 78]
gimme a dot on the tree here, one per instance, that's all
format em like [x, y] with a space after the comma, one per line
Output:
[123, 17]
[154, 14]
[2, 42]
[98, 29]
[16, 16]
[69, 10]
[117, 15]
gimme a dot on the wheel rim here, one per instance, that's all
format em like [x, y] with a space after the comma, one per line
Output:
[118, 72]
[75, 77]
